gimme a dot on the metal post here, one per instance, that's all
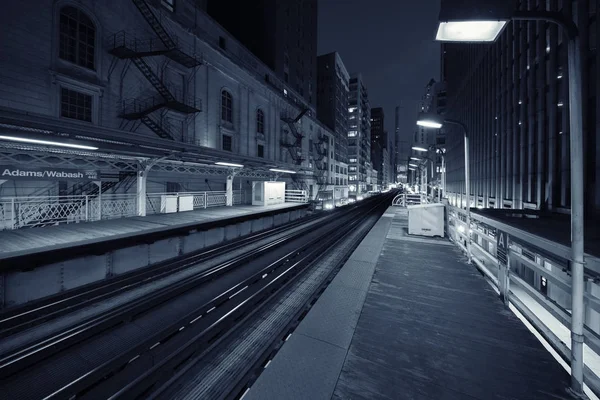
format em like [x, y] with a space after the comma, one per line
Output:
[468, 195]
[577, 208]
[12, 213]
[506, 294]
[86, 208]
[205, 200]
[229, 191]
[141, 191]
[99, 183]
[444, 175]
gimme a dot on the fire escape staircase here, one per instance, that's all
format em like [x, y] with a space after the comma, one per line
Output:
[124, 46]
[295, 146]
[320, 151]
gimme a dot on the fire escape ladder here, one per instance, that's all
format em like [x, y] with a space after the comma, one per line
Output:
[160, 87]
[161, 130]
[134, 109]
[154, 23]
[295, 147]
[320, 151]
[172, 49]
[299, 181]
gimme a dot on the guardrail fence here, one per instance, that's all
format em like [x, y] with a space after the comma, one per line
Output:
[37, 211]
[407, 199]
[532, 274]
[296, 196]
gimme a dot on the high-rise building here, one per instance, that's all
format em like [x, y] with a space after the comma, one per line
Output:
[512, 96]
[332, 108]
[402, 149]
[432, 102]
[283, 34]
[359, 135]
[379, 145]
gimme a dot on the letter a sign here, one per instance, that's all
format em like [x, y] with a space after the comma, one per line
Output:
[502, 246]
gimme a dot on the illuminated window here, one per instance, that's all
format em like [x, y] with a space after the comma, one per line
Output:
[352, 133]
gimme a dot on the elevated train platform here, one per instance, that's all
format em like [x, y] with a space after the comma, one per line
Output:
[43, 261]
[408, 318]
[20, 243]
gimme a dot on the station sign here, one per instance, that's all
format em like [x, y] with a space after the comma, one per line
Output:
[11, 172]
[502, 247]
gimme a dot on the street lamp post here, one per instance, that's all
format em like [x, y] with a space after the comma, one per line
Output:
[477, 23]
[436, 121]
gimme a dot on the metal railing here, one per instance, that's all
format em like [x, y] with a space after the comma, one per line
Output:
[408, 199]
[23, 212]
[536, 282]
[296, 196]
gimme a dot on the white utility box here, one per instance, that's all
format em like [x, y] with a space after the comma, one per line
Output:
[186, 203]
[426, 220]
[168, 203]
[268, 193]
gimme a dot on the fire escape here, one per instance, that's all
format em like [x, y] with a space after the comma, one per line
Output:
[124, 46]
[294, 147]
[320, 151]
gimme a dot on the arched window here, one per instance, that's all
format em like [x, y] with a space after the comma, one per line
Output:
[77, 42]
[226, 107]
[260, 121]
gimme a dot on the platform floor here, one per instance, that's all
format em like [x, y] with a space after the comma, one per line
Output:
[38, 240]
[406, 318]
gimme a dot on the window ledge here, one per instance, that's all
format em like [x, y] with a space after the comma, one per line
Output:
[80, 82]
[227, 127]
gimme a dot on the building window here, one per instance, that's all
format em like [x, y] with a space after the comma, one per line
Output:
[77, 42]
[226, 107]
[169, 5]
[260, 151]
[227, 143]
[75, 105]
[260, 121]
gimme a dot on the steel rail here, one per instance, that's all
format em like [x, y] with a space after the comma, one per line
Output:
[20, 360]
[226, 300]
[27, 316]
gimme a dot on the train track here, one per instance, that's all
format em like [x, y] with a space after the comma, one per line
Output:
[16, 319]
[148, 329]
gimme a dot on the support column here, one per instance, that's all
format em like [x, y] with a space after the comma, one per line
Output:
[229, 191]
[142, 175]
[99, 216]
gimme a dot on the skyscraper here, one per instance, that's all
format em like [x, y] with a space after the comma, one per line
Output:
[332, 100]
[512, 96]
[359, 135]
[378, 142]
[283, 34]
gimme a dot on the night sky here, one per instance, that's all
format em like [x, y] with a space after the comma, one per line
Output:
[391, 43]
